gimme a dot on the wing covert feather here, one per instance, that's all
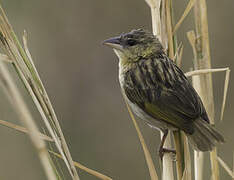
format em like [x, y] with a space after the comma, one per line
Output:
[161, 90]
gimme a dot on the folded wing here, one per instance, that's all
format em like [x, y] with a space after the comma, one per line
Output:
[161, 90]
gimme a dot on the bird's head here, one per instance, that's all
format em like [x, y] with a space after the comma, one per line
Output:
[135, 45]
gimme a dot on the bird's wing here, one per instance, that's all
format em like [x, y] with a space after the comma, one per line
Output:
[161, 89]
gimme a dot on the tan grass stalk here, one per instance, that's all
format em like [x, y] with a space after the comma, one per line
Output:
[203, 84]
[178, 56]
[178, 51]
[167, 160]
[198, 165]
[156, 19]
[204, 62]
[159, 29]
[26, 70]
[227, 169]
[49, 139]
[198, 156]
[188, 168]
[5, 58]
[179, 146]
[179, 59]
[24, 130]
[226, 82]
[82, 167]
[172, 49]
[186, 12]
[26, 118]
[149, 161]
[52, 115]
[168, 40]
[203, 55]
[202, 65]
[206, 71]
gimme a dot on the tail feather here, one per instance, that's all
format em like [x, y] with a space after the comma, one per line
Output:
[204, 137]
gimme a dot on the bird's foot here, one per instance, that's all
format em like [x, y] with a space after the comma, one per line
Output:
[162, 151]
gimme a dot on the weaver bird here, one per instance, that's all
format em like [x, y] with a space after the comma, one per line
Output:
[158, 91]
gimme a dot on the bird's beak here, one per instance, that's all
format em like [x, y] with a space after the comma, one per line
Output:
[114, 43]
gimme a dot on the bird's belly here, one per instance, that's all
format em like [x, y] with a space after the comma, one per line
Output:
[152, 122]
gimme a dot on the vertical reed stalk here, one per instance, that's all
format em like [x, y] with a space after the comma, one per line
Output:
[172, 47]
[204, 62]
[198, 156]
[162, 23]
[159, 27]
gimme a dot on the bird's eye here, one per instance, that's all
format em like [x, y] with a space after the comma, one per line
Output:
[131, 42]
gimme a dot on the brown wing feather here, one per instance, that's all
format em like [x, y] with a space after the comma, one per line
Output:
[161, 89]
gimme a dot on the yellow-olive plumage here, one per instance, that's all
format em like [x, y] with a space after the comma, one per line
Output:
[158, 91]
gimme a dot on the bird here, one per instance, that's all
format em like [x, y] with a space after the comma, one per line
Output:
[158, 91]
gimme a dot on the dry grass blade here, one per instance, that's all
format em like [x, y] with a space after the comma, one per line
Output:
[178, 137]
[47, 138]
[178, 55]
[177, 52]
[186, 11]
[49, 109]
[158, 14]
[225, 166]
[214, 164]
[188, 173]
[88, 170]
[24, 130]
[25, 43]
[169, 29]
[167, 173]
[226, 83]
[148, 158]
[152, 3]
[192, 40]
[26, 70]
[198, 156]
[203, 59]
[155, 15]
[205, 71]
[179, 59]
[55, 123]
[198, 165]
[5, 58]
[196, 80]
[35, 91]
[185, 173]
[25, 116]
[204, 62]
[180, 159]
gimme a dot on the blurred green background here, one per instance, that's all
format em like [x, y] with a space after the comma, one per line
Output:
[81, 77]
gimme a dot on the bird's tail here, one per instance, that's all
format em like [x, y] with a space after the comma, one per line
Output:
[204, 137]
